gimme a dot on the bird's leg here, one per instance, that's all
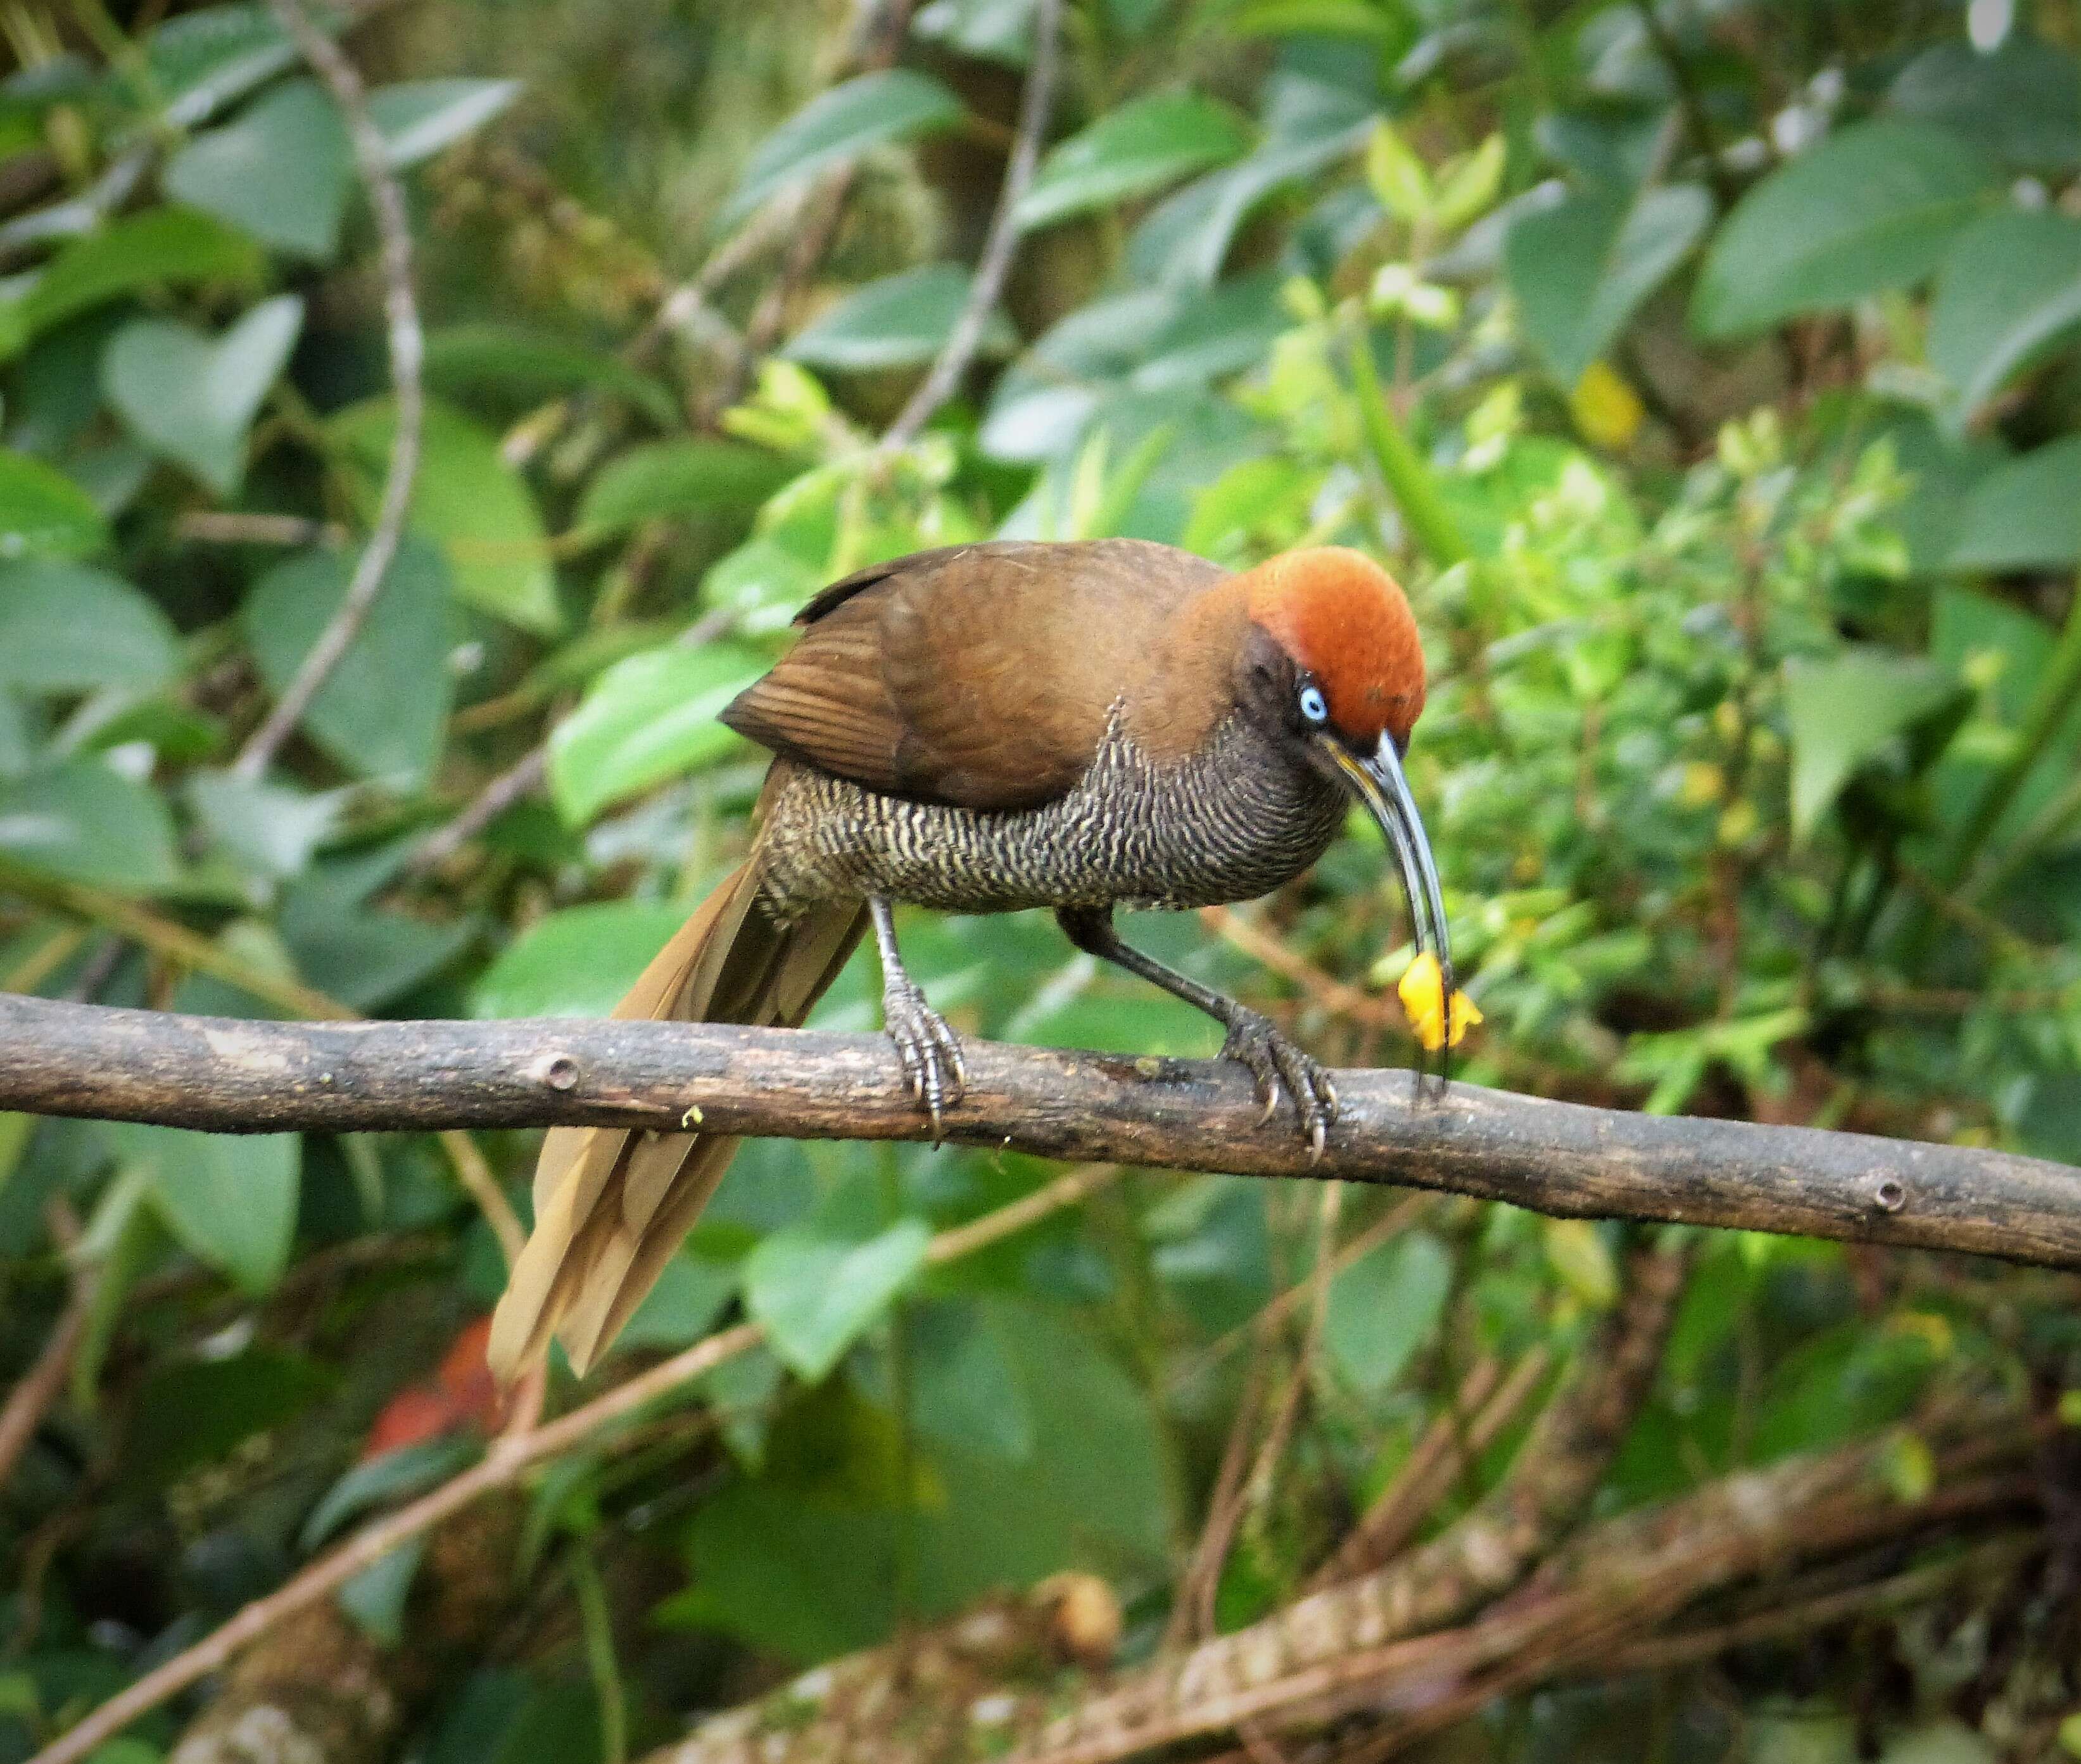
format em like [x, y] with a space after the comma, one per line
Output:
[1254, 1039]
[930, 1050]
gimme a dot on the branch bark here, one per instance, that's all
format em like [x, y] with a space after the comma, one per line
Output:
[229, 1075]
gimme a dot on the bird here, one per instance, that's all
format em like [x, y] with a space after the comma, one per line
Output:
[1080, 726]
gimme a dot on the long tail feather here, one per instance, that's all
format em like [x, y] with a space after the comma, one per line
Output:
[612, 1204]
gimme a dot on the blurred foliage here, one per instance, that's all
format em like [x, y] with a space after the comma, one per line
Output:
[1707, 371]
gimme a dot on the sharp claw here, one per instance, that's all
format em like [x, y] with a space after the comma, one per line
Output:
[1269, 1090]
[1328, 1093]
[1318, 1138]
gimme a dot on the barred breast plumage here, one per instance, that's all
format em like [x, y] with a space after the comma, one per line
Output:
[1229, 822]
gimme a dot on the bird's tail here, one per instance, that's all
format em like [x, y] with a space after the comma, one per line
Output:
[611, 1203]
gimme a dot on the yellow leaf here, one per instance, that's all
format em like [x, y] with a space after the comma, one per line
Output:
[1607, 410]
[1422, 992]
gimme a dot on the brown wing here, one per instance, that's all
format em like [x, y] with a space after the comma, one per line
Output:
[981, 674]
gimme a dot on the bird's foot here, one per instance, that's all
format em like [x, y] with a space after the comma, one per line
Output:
[1279, 1065]
[930, 1050]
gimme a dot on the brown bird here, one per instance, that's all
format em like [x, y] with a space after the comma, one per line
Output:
[984, 728]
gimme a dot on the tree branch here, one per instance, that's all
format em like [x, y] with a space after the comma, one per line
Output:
[371, 157]
[229, 1075]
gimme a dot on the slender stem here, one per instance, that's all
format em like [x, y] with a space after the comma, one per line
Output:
[995, 262]
[371, 157]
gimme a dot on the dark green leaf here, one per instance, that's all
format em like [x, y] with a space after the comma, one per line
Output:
[195, 1412]
[191, 398]
[1383, 1306]
[281, 170]
[680, 480]
[964, 1390]
[1874, 208]
[231, 1198]
[897, 322]
[376, 1597]
[645, 719]
[1579, 269]
[66, 628]
[538, 363]
[576, 962]
[380, 1481]
[1131, 151]
[420, 117]
[2026, 514]
[2009, 293]
[43, 513]
[894, 104]
[682, 1306]
[158, 248]
[816, 1295]
[382, 711]
[2021, 99]
[83, 820]
[469, 502]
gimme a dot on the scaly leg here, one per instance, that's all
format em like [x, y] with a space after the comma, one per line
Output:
[1255, 1040]
[930, 1050]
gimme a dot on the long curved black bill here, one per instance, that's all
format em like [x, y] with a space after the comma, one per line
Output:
[1378, 781]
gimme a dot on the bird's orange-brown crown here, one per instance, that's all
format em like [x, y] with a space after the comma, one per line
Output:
[1345, 620]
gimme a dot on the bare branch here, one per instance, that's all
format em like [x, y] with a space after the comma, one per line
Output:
[230, 1075]
[371, 157]
[995, 262]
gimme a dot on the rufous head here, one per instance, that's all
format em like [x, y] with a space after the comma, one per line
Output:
[1346, 624]
[1332, 669]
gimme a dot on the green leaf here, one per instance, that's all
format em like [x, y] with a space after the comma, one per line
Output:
[268, 828]
[65, 627]
[2009, 293]
[192, 399]
[894, 104]
[204, 60]
[231, 1198]
[2026, 514]
[83, 820]
[196, 1411]
[381, 710]
[281, 170]
[157, 248]
[408, 1470]
[682, 1306]
[469, 502]
[1131, 151]
[418, 118]
[538, 363]
[816, 1295]
[375, 1599]
[1874, 208]
[43, 513]
[2021, 100]
[645, 719]
[1579, 269]
[1843, 713]
[989, 29]
[680, 479]
[1577, 1252]
[963, 1389]
[895, 321]
[1383, 1306]
[576, 962]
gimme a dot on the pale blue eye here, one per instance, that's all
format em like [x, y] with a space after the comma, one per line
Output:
[1314, 706]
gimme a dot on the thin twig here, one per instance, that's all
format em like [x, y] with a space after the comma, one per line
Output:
[995, 263]
[520, 779]
[407, 356]
[230, 527]
[39, 1386]
[522, 1446]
